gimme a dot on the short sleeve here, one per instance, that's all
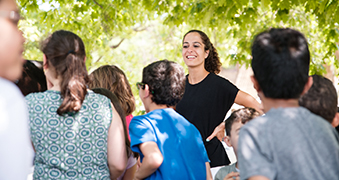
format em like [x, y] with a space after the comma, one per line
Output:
[231, 90]
[140, 131]
[253, 155]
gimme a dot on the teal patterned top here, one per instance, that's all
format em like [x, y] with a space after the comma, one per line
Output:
[73, 146]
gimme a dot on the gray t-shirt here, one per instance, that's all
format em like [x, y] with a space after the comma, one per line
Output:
[289, 143]
[222, 173]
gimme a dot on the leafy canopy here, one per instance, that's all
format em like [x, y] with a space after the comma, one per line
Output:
[132, 33]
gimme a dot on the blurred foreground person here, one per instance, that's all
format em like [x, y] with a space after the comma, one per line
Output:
[16, 153]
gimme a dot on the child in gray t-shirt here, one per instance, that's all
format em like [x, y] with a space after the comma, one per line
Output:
[288, 142]
[232, 126]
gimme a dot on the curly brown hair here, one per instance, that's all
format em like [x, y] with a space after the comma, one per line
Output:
[242, 115]
[212, 62]
[166, 81]
[114, 79]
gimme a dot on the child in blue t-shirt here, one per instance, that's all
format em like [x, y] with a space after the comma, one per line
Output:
[169, 146]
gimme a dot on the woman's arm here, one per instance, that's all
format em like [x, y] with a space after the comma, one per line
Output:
[242, 99]
[151, 161]
[116, 148]
[247, 100]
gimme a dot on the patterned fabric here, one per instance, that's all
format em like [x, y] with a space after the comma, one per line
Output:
[73, 146]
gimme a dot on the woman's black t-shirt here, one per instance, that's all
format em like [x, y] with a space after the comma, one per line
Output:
[205, 105]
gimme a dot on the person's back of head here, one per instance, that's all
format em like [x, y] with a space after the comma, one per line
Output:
[65, 55]
[321, 98]
[114, 79]
[280, 63]
[33, 78]
[166, 81]
[242, 115]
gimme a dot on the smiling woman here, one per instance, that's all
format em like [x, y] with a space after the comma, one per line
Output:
[208, 96]
[16, 152]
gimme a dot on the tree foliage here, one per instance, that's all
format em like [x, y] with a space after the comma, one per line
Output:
[132, 33]
[226, 21]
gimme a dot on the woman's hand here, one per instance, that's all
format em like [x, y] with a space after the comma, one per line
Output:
[219, 132]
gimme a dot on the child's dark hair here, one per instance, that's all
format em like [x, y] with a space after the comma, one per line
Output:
[280, 63]
[212, 62]
[243, 115]
[166, 81]
[33, 78]
[116, 103]
[321, 98]
[65, 54]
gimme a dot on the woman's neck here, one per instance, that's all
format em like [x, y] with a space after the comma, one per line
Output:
[53, 83]
[196, 75]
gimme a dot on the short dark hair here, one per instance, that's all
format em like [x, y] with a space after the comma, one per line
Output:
[166, 81]
[280, 63]
[212, 62]
[242, 115]
[33, 78]
[321, 98]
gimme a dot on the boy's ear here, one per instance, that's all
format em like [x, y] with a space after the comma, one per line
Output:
[335, 121]
[228, 141]
[255, 84]
[146, 91]
[308, 85]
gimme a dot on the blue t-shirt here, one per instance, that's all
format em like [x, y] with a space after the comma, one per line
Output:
[178, 140]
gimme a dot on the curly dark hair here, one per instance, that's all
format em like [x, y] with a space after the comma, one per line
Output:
[166, 81]
[243, 115]
[212, 62]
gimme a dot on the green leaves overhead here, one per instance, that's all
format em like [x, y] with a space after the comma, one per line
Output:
[132, 33]
[231, 24]
[318, 20]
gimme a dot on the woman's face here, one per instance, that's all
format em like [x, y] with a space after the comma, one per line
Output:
[193, 51]
[11, 41]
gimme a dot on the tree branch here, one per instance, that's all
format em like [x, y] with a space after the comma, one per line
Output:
[98, 4]
[117, 45]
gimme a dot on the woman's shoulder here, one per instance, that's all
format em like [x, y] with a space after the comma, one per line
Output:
[42, 95]
[93, 97]
[219, 80]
